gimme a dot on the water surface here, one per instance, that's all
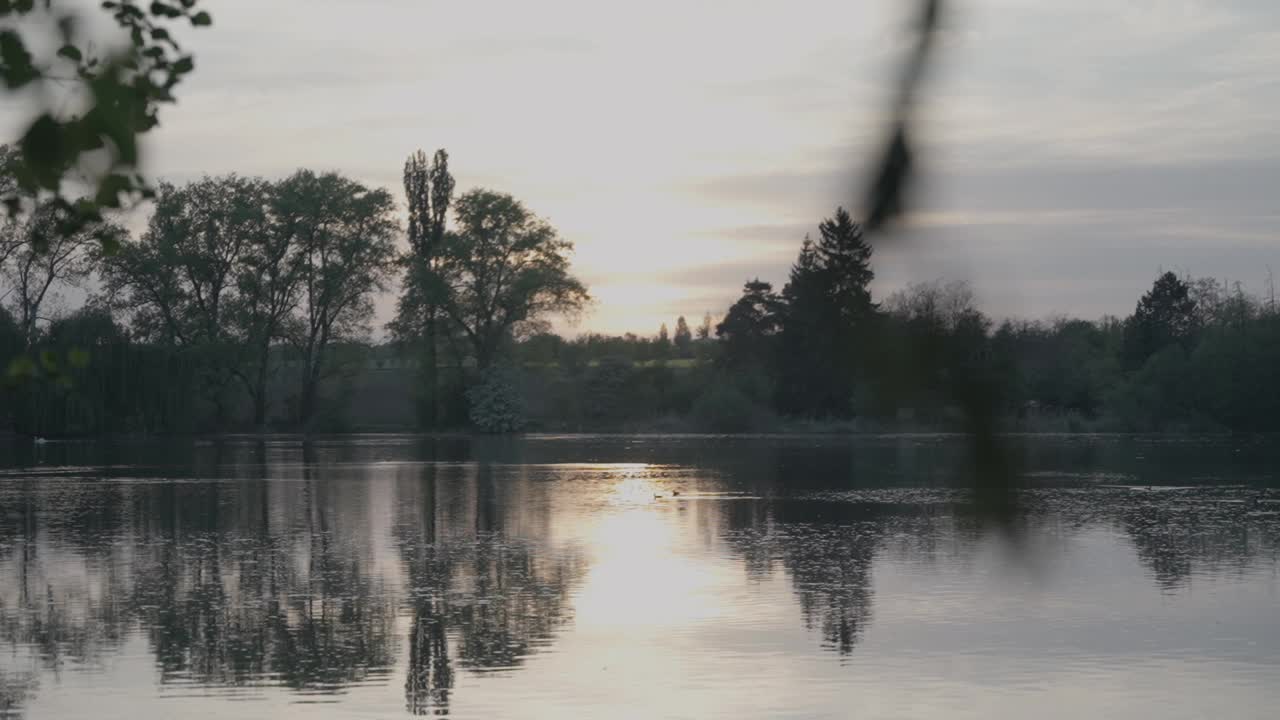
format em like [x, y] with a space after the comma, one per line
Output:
[635, 577]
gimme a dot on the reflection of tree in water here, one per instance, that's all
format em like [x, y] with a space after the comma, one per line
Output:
[34, 607]
[429, 677]
[231, 583]
[430, 674]
[1176, 533]
[242, 581]
[480, 599]
[831, 569]
[826, 548]
[828, 544]
[228, 606]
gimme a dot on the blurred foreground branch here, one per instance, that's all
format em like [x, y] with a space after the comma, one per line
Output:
[977, 390]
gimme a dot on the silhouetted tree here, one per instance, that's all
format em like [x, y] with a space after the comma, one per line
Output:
[1166, 315]
[828, 314]
[940, 342]
[508, 270]
[662, 346]
[179, 282]
[683, 338]
[429, 191]
[345, 234]
[748, 332]
[10, 236]
[267, 284]
[35, 267]
[705, 329]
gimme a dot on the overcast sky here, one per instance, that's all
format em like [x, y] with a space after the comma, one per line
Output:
[1076, 146]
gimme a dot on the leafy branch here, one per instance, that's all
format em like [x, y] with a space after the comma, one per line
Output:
[123, 89]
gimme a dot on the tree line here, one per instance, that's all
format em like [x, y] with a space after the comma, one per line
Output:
[247, 304]
[240, 292]
[1196, 354]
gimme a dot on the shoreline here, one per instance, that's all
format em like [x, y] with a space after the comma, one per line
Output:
[551, 434]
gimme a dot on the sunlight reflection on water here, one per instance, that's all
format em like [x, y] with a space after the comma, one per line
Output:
[634, 577]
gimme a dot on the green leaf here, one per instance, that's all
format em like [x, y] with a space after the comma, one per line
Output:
[201, 19]
[49, 360]
[20, 367]
[110, 242]
[78, 358]
[43, 152]
[71, 52]
[15, 62]
[184, 65]
[109, 189]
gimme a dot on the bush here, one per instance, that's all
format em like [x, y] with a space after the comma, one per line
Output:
[496, 404]
[723, 408]
[607, 385]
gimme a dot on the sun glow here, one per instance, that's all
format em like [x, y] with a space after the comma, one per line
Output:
[641, 577]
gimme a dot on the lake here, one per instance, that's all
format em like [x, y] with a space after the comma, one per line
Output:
[636, 577]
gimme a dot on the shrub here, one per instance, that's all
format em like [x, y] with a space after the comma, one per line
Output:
[495, 402]
[724, 408]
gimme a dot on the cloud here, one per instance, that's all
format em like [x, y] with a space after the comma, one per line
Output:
[1069, 149]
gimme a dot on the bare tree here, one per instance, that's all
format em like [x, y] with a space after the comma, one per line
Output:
[33, 269]
[10, 236]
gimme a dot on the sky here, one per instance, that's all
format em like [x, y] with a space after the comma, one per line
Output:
[1071, 150]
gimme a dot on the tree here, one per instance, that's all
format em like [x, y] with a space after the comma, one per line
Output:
[807, 356]
[33, 269]
[748, 330]
[12, 343]
[662, 347]
[1165, 315]
[429, 191]
[10, 236]
[844, 259]
[935, 343]
[181, 281]
[267, 278]
[683, 338]
[828, 310]
[1233, 371]
[123, 89]
[705, 329]
[345, 237]
[496, 403]
[508, 270]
